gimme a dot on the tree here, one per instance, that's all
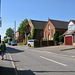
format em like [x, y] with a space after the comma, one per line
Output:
[33, 34]
[10, 33]
[61, 38]
[23, 28]
[56, 36]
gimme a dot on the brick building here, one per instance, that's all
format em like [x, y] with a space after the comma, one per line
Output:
[18, 38]
[39, 26]
[53, 25]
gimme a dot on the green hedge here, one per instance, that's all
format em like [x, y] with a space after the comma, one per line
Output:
[21, 44]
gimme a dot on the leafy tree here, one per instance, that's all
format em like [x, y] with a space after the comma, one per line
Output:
[56, 36]
[33, 34]
[61, 38]
[10, 33]
[23, 29]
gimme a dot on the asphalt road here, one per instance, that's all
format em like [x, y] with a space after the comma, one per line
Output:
[35, 62]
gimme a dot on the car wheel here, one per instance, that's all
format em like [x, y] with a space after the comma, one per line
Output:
[29, 45]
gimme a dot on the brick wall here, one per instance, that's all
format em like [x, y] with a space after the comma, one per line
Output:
[31, 26]
[39, 32]
[49, 32]
[61, 31]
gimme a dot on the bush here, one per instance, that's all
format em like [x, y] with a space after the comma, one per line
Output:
[44, 39]
[61, 38]
[30, 37]
[6, 41]
[56, 36]
[33, 34]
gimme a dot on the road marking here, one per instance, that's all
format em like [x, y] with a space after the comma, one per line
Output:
[12, 63]
[53, 61]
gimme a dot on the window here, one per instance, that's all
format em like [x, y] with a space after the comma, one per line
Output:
[49, 37]
[52, 33]
[49, 27]
[71, 27]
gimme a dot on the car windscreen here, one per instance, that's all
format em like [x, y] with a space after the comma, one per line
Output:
[31, 41]
[13, 42]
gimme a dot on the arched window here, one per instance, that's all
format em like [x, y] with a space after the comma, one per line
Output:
[49, 37]
[49, 27]
[52, 33]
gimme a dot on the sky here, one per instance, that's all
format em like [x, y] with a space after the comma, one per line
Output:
[18, 10]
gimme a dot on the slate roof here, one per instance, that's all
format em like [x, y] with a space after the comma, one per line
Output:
[39, 24]
[69, 32]
[59, 24]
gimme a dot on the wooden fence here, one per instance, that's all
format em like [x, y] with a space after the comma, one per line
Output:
[43, 43]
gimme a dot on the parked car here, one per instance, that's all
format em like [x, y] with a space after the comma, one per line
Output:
[13, 43]
[31, 42]
[9, 42]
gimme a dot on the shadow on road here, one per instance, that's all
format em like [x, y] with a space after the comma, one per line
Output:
[7, 71]
[25, 72]
[11, 71]
[13, 50]
[53, 71]
[67, 49]
[10, 60]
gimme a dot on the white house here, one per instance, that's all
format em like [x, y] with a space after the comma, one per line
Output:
[69, 35]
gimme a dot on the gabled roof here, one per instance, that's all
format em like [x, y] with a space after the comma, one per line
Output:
[39, 24]
[59, 24]
[72, 21]
[69, 32]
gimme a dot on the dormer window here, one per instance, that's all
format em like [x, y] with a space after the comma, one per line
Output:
[49, 27]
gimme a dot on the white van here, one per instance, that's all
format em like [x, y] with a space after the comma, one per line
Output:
[31, 42]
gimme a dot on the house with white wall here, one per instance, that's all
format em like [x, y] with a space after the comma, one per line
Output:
[69, 35]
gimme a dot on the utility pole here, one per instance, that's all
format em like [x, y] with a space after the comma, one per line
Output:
[0, 19]
[0, 15]
[14, 28]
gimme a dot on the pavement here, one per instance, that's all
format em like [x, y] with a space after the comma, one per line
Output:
[6, 67]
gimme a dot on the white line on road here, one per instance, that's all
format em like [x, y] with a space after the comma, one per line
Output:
[12, 63]
[53, 61]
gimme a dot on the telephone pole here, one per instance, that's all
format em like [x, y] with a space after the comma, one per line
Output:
[0, 15]
[14, 28]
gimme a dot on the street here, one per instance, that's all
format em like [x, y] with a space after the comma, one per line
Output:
[33, 61]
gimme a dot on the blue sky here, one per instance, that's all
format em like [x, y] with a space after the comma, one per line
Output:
[18, 10]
